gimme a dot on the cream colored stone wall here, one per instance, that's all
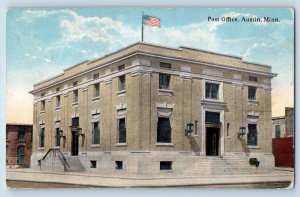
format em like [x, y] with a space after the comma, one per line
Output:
[141, 98]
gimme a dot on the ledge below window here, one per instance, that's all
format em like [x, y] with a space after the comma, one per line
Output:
[41, 148]
[75, 104]
[164, 144]
[121, 93]
[95, 146]
[253, 147]
[253, 102]
[57, 108]
[165, 92]
[42, 112]
[95, 99]
[120, 144]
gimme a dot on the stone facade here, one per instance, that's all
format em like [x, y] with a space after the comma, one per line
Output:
[18, 145]
[200, 84]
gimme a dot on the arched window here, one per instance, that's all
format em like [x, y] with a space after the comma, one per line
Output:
[20, 155]
[277, 131]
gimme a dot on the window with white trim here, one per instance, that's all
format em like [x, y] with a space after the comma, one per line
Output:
[211, 90]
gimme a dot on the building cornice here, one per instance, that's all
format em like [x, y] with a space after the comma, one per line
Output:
[156, 55]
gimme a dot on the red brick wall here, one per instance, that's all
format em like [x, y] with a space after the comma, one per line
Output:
[12, 143]
[283, 150]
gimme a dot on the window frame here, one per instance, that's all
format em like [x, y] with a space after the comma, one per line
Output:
[122, 131]
[96, 91]
[164, 130]
[277, 131]
[21, 156]
[75, 96]
[250, 92]
[57, 101]
[209, 95]
[164, 81]
[252, 134]
[23, 131]
[42, 137]
[94, 133]
[122, 83]
[43, 105]
[57, 137]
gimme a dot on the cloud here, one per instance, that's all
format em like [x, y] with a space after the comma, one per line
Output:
[254, 48]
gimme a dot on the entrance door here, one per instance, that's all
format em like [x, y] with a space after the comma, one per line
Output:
[212, 141]
[75, 139]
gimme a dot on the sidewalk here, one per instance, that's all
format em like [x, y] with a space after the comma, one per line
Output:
[148, 180]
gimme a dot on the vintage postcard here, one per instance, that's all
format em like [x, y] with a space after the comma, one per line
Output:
[150, 97]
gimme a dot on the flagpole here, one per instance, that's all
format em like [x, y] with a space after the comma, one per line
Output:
[142, 26]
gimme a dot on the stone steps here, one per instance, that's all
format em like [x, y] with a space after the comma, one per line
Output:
[74, 164]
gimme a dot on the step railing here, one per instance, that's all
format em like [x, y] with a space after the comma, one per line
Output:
[56, 152]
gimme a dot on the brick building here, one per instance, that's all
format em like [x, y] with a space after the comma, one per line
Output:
[147, 108]
[18, 145]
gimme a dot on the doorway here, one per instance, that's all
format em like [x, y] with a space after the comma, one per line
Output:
[75, 139]
[212, 141]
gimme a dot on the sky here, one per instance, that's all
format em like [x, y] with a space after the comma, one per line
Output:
[43, 42]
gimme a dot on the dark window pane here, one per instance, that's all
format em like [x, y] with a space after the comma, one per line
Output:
[164, 65]
[252, 78]
[96, 133]
[57, 101]
[251, 93]
[122, 131]
[96, 90]
[75, 96]
[119, 165]
[96, 76]
[277, 131]
[163, 130]
[211, 90]
[122, 67]
[75, 121]
[122, 83]
[166, 165]
[164, 81]
[212, 117]
[42, 137]
[21, 134]
[20, 155]
[57, 137]
[252, 134]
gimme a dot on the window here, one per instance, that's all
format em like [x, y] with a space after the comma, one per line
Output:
[57, 89]
[196, 127]
[252, 78]
[58, 101]
[252, 135]
[75, 96]
[122, 67]
[93, 164]
[211, 91]
[122, 83]
[119, 165]
[164, 65]
[277, 131]
[75, 121]
[20, 155]
[164, 81]
[166, 165]
[163, 130]
[96, 90]
[42, 94]
[251, 93]
[122, 130]
[96, 76]
[42, 138]
[43, 105]
[75, 83]
[57, 137]
[212, 117]
[21, 134]
[96, 133]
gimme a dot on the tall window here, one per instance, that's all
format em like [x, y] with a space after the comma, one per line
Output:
[122, 83]
[96, 133]
[75, 96]
[42, 138]
[164, 81]
[211, 91]
[20, 155]
[57, 137]
[122, 130]
[43, 105]
[58, 101]
[163, 130]
[21, 134]
[252, 134]
[277, 131]
[251, 93]
[96, 90]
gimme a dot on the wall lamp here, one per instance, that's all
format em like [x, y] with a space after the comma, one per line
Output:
[189, 129]
[242, 132]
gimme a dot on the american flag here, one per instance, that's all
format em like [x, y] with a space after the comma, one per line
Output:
[151, 20]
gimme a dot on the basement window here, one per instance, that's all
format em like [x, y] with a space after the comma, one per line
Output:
[119, 165]
[93, 164]
[166, 165]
